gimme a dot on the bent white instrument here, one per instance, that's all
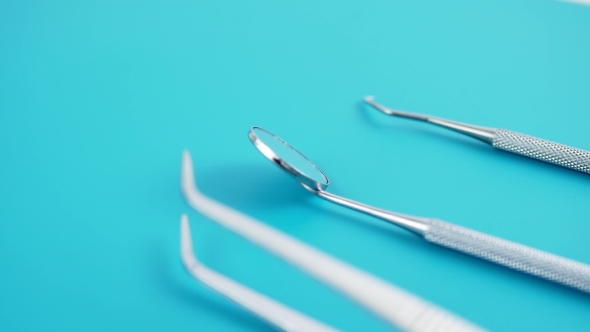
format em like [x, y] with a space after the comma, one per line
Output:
[273, 312]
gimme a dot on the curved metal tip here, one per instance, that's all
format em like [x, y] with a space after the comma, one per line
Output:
[483, 134]
[371, 101]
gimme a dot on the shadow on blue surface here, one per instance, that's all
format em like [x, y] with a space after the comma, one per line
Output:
[252, 185]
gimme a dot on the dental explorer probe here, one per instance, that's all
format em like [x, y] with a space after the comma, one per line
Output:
[515, 256]
[506, 140]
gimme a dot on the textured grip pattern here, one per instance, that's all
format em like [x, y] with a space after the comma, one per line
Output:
[547, 151]
[512, 255]
[419, 316]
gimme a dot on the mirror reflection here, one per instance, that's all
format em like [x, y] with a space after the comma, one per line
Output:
[290, 156]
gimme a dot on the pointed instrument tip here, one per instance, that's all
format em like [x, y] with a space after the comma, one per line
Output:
[187, 180]
[186, 244]
[370, 100]
[184, 226]
[186, 160]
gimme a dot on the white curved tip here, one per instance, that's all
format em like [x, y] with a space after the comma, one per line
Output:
[186, 244]
[187, 180]
[369, 99]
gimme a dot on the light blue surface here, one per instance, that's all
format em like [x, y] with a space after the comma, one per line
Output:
[98, 99]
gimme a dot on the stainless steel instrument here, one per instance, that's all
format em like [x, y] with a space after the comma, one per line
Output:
[506, 140]
[502, 252]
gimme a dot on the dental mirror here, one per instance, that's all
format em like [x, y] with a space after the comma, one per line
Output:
[315, 181]
[518, 257]
[288, 158]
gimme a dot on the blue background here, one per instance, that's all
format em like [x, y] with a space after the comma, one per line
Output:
[98, 99]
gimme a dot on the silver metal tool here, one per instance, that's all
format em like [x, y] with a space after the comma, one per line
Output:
[273, 312]
[509, 254]
[506, 140]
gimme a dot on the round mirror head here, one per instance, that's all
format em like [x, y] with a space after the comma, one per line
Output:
[288, 158]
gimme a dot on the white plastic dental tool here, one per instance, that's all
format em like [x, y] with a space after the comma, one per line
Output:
[518, 257]
[273, 312]
[400, 308]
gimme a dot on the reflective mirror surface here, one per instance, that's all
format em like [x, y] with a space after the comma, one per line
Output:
[288, 158]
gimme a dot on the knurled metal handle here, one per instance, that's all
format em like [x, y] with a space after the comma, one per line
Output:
[510, 254]
[546, 151]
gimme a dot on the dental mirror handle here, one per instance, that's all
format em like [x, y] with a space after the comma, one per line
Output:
[515, 256]
[502, 139]
[512, 255]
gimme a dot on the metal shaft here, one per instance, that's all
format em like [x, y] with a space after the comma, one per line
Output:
[509, 254]
[524, 145]
[414, 224]
[483, 134]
